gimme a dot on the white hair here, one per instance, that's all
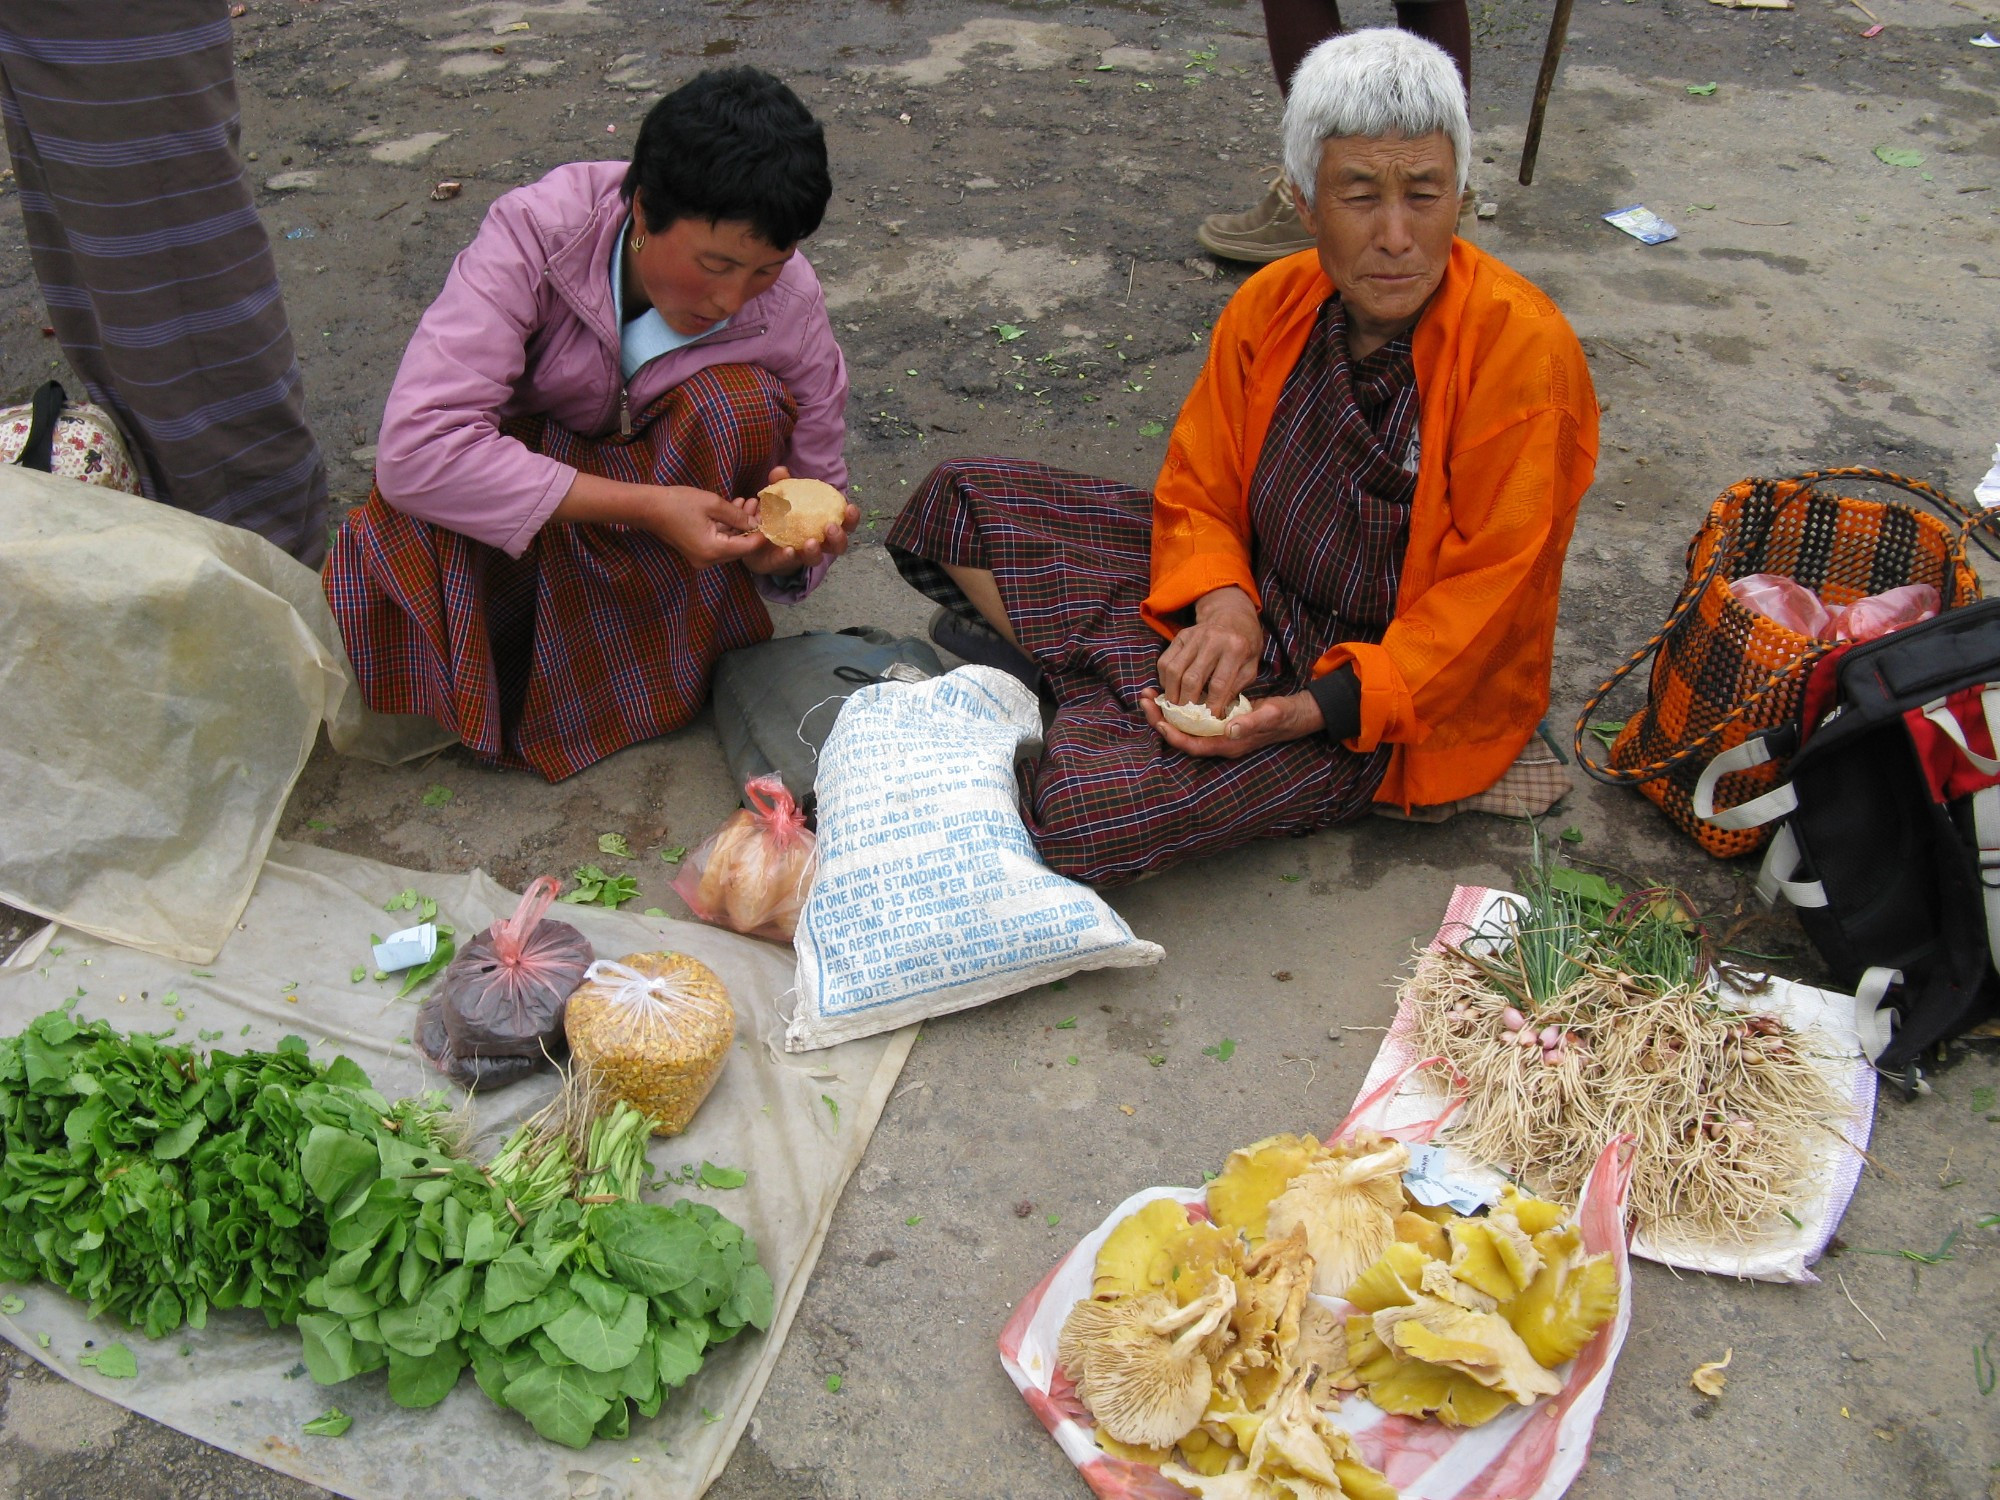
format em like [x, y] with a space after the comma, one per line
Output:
[1372, 83]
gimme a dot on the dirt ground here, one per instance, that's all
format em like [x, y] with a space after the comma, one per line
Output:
[1042, 167]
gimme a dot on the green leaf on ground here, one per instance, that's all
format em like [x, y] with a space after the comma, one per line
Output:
[654, 911]
[614, 844]
[1072, 1059]
[1572, 835]
[713, 1176]
[113, 1361]
[833, 1382]
[1066, 1025]
[832, 1108]
[1008, 332]
[1701, 90]
[1151, 429]
[1899, 156]
[358, 973]
[330, 1423]
[11, 1305]
[913, 1221]
[436, 795]
[1157, 1059]
[1222, 1051]
[674, 855]
[317, 825]
[1053, 1219]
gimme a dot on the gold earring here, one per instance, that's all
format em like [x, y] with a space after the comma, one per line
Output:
[638, 243]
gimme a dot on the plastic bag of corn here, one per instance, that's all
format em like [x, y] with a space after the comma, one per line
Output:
[652, 1029]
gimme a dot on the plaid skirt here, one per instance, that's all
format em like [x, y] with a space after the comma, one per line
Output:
[1109, 800]
[597, 636]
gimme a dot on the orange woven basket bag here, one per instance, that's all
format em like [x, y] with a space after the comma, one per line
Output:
[1723, 672]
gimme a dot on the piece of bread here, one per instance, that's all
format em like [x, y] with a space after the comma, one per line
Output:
[793, 512]
[1194, 718]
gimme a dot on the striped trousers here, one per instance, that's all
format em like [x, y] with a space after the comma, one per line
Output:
[121, 120]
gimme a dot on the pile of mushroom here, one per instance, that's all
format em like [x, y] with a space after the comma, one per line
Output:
[1216, 1341]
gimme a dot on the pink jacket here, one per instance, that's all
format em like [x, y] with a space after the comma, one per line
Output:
[525, 325]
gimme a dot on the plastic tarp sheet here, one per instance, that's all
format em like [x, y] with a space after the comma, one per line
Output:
[162, 680]
[797, 1125]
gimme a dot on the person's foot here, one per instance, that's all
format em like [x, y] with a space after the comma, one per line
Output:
[975, 641]
[1266, 232]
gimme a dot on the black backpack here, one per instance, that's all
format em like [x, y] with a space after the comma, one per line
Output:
[1889, 848]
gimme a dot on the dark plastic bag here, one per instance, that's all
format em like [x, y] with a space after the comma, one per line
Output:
[503, 996]
[473, 1073]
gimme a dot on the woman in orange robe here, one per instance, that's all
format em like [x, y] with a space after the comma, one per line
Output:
[1360, 524]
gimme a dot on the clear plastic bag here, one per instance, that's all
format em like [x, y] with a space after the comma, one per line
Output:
[752, 874]
[1784, 600]
[654, 1030]
[1871, 618]
[502, 998]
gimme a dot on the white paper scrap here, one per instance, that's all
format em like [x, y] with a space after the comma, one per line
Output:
[1988, 493]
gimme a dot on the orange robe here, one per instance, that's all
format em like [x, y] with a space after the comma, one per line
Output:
[1507, 423]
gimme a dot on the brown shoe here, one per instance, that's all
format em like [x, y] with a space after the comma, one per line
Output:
[1269, 231]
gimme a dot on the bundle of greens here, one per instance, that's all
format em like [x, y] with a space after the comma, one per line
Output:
[158, 1182]
[155, 1182]
[572, 1301]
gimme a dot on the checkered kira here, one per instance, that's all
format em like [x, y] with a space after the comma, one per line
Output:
[595, 638]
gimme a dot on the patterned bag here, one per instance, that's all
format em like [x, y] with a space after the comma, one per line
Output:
[1724, 672]
[69, 439]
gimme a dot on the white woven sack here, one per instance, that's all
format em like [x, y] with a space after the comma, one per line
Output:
[929, 896]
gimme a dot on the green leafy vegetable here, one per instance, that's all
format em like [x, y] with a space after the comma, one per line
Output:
[436, 795]
[413, 901]
[1067, 1024]
[436, 964]
[157, 1182]
[1701, 90]
[833, 1382]
[1222, 1051]
[614, 844]
[1899, 156]
[832, 1108]
[1151, 429]
[10, 1305]
[1008, 332]
[595, 887]
[713, 1176]
[674, 855]
[114, 1361]
[332, 1422]
[358, 973]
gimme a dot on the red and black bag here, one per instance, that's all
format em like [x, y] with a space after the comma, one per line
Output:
[1887, 825]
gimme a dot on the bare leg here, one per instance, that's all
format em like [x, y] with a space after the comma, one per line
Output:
[984, 593]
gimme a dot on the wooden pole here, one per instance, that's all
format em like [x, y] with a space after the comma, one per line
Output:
[1551, 57]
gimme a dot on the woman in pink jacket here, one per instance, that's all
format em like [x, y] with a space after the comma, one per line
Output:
[551, 561]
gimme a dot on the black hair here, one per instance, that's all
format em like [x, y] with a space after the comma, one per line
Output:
[734, 143]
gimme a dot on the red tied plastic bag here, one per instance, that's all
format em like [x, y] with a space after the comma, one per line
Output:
[497, 1012]
[753, 873]
[1783, 599]
[1871, 618]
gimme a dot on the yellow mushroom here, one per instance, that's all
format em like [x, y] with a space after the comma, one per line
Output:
[1139, 1363]
[1347, 1204]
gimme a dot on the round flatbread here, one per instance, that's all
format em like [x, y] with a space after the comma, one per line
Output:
[793, 512]
[1194, 718]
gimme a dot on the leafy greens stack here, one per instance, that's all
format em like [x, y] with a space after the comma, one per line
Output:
[571, 1308]
[157, 1182]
